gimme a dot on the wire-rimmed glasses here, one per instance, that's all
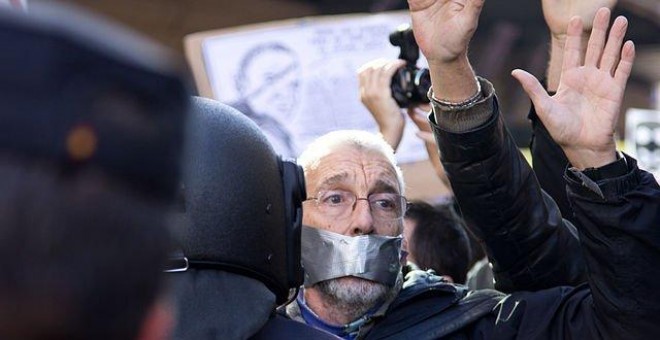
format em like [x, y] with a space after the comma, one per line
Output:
[340, 203]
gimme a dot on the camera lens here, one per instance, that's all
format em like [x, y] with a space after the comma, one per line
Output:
[422, 83]
[401, 89]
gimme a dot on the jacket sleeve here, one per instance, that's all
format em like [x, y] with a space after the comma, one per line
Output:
[618, 221]
[528, 243]
[549, 163]
[619, 226]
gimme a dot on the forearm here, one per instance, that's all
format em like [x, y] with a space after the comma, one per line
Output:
[453, 81]
[392, 133]
[553, 73]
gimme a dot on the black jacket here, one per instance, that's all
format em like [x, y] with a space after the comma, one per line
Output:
[617, 220]
[519, 225]
[549, 163]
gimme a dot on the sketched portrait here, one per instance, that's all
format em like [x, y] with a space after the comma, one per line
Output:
[268, 85]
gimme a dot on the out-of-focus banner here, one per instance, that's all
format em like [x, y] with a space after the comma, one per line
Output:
[643, 138]
[298, 78]
[17, 4]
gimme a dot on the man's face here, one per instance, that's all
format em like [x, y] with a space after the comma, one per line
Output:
[362, 173]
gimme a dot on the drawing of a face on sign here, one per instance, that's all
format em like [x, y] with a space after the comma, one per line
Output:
[268, 81]
[647, 145]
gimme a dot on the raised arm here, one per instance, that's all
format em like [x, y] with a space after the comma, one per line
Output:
[617, 206]
[501, 201]
[582, 115]
[548, 159]
[558, 14]
[374, 79]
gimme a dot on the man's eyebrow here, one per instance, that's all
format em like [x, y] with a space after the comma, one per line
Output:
[383, 186]
[340, 177]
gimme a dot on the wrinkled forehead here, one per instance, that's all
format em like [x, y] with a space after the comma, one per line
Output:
[353, 168]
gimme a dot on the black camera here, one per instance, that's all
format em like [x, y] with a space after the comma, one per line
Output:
[410, 84]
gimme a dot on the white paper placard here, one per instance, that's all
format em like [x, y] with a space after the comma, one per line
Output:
[643, 138]
[298, 79]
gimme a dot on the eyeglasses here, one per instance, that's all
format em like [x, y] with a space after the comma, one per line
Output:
[339, 204]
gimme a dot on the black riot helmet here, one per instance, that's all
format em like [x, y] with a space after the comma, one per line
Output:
[242, 202]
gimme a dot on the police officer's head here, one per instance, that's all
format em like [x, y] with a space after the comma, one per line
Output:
[91, 130]
[242, 216]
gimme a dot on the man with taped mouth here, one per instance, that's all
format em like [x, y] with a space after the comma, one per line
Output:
[356, 192]
[351, 250]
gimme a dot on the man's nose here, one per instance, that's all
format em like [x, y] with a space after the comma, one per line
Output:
[362, 222]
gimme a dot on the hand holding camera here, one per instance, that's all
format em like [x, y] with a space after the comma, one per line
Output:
[375, 78]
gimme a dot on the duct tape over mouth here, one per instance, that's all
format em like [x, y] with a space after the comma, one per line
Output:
[327, 255]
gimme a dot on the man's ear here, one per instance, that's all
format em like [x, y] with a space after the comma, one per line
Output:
[448, 278]
[159, 321]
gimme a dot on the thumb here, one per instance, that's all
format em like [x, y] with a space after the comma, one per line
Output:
[534, 90]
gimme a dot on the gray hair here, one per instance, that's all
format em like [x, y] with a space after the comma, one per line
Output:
[357, 139]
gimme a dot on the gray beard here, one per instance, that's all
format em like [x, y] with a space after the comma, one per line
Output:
[355, 296]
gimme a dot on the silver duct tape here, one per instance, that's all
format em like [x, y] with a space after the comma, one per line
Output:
[327, 255]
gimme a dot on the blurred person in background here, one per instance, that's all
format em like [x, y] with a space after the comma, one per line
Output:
[435, 238]
[91, 134]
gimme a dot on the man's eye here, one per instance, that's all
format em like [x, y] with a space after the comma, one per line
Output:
[333, 199]
[385, 204]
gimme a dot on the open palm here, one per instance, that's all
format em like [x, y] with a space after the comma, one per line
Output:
[585, 109]
[443, 28]
[582, 116]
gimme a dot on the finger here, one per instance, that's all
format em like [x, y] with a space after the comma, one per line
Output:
[388, 70]
[393, 66]
[369, 76]
[625, 64]
[597, 38]
[535, 91]
[612, 52]
[573, 47]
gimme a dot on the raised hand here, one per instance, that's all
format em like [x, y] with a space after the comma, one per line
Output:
[375, 78]
[582, 115]
[443, 29]
[558, 13]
